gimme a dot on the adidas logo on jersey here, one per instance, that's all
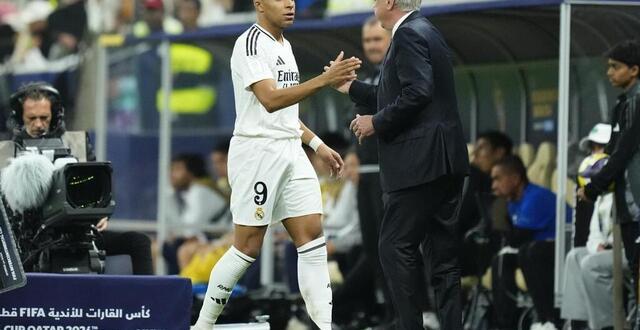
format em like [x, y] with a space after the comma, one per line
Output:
[280, 61]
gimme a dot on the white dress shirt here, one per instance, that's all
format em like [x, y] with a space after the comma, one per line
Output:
[397, 25]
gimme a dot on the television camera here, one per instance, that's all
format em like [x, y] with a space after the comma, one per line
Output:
[53, 203]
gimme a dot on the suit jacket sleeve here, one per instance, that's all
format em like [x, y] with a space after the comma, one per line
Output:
[364, 95]
[413, 65]
[362, 110]
[627, 147]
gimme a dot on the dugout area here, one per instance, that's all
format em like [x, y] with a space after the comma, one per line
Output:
[533, 68]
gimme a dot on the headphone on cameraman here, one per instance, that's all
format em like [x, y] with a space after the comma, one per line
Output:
[15, 123]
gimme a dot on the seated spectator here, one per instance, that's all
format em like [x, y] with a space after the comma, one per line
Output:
[197, 258]
[109, 16]
[218, 161]
[490, 147]
[31, 45]
[530, 246]
[594, 145]
[188, 14]
[154, 21]
[191, 206]
[65, 28]
[588, 275]
[8, 15]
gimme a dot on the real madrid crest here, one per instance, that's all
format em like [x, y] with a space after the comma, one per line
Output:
[259, 213]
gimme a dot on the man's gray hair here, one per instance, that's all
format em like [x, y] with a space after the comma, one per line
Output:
[408, 5]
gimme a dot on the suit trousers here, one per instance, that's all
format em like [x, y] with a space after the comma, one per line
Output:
[371, 211]
[426, 214]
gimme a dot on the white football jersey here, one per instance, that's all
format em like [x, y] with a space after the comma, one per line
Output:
[258, 56]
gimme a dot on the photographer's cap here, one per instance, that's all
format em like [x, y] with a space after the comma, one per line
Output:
[600, 134]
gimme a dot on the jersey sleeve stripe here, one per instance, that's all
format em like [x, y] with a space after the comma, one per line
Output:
[251, 31]
[255, 43]
[252, 49]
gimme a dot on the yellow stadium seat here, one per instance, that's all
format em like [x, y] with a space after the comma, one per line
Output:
[542, 167]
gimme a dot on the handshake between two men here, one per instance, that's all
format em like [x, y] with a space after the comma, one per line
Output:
[361, 126]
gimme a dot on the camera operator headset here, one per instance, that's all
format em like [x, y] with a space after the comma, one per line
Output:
[41, 120]
[37, 112]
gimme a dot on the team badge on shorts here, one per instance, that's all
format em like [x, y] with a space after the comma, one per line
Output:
[259, 214]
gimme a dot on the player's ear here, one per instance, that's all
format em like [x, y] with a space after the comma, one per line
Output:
[635, 70]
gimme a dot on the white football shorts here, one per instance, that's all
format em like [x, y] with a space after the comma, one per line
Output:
[271, 180]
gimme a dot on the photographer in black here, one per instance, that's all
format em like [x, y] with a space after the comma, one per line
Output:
[37, 113]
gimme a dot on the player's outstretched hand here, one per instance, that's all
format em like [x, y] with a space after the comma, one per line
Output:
[332, 159]
[341, 72]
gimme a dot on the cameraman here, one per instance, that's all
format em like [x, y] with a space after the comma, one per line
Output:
[37, 112]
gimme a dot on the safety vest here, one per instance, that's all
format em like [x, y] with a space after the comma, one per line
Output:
[193, 91]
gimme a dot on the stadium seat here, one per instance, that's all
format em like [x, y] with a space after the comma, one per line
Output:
[520, 281]
[570, 194]
[526, 153]
[542, 167]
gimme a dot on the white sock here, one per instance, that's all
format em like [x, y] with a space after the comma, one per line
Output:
[227, 271]
[313, 279]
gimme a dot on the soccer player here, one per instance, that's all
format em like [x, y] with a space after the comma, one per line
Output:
[271, 178]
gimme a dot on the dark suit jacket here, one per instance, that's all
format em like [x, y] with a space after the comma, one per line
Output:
[418, 126]
[368, 150]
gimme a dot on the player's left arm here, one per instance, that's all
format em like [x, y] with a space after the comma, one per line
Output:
[327, 154]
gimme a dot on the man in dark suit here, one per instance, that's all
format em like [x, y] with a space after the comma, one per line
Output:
[365, 276]
[423, 161]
